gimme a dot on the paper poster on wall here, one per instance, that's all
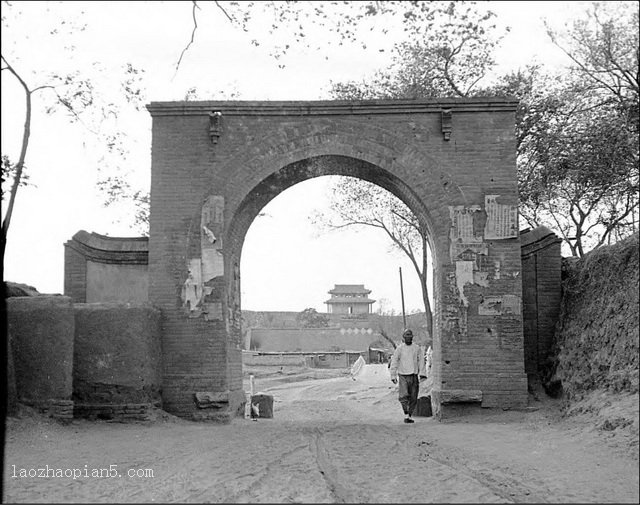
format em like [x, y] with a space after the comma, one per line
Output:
[502, 219]
[491, 305]
[511, 305]
[463, 226]
[464, 275]
[466, 232]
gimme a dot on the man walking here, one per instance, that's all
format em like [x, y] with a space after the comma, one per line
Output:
[407, 363]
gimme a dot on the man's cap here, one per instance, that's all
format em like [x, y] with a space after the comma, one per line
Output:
[407, 333]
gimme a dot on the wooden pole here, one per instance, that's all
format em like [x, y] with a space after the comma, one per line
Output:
[404, 317]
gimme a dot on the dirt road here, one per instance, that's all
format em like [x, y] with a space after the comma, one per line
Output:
[332, 440]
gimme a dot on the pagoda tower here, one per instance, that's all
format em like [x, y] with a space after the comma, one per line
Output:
[349, 300]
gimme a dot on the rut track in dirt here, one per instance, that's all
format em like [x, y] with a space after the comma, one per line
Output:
[331, 441]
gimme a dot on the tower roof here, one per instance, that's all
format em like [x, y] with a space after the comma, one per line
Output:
[343, 289]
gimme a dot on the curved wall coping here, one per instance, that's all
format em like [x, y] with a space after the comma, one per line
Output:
[105, 249]
[537, 239]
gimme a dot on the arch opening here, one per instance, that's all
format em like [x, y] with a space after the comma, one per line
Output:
[316, 166]
[267, 342]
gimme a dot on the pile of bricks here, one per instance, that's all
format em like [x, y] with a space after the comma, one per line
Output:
[61, 409]
[118, 412]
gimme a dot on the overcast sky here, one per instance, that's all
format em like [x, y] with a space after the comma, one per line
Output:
[280, 247]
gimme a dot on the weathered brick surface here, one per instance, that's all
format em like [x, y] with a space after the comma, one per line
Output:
[75, 275]
[264, 148]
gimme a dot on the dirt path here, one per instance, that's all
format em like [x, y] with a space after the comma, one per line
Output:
[331, 441]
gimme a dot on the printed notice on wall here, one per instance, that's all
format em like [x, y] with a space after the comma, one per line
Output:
[502, 219]
[466, 232]
[462, 224]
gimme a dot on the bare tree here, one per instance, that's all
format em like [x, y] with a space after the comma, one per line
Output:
[358, 203]
[578, 133]
[73, 94]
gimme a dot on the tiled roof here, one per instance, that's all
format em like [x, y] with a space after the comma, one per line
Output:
[349, 289]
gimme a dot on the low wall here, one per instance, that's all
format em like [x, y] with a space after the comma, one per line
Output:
[312, 340]
[117, 358]
[41, 339]
[335, 359]
[251, 358]
[321, 360]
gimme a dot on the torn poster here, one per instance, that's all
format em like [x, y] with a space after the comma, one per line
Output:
[466, 232]
[467, 250]
[464, 275]
[511, 305]
[493, 305]
[212, 221]
[192, 287]
[490, 305]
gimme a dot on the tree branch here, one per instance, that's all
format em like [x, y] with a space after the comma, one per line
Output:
[223, 10]
[193, 33]
[406, 220]
[26, 133]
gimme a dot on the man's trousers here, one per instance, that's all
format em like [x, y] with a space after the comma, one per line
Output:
[408, 386]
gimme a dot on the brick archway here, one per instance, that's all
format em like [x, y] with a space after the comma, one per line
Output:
[216, 164]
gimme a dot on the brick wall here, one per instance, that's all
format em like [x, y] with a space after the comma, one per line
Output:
[462, 189]
[542, 293]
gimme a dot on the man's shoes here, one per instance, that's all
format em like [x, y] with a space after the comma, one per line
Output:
[408, 420]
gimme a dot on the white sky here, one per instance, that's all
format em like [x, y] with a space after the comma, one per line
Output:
[285, 264]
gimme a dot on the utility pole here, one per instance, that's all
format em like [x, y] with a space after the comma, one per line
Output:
[404, 317]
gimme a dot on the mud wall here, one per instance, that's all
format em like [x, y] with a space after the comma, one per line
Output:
[597, 336]
[253, 358]
[117, 358]
[313, 339]
[41, 341]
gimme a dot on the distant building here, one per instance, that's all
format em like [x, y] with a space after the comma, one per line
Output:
[349, 300]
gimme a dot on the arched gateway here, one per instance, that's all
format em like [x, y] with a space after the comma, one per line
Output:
[216, 164]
